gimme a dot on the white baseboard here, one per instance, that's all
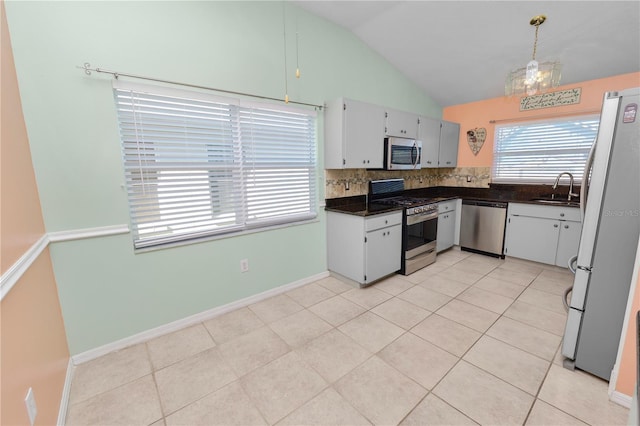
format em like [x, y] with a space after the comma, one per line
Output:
[615, 396]
[190, 320]
[66, 391]
[621, 399]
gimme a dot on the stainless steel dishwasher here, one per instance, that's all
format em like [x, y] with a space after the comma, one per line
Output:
[482, 227]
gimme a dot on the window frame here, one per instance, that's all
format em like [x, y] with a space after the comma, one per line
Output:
[285, 119]
[500, 168]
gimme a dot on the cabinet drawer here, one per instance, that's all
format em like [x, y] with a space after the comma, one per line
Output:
[546, 212]
[382, 221]
[446, 206]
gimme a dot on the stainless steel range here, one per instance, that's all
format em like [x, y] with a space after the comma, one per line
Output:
[420, 223]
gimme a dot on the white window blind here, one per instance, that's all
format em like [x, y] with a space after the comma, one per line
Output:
[536, 152]
[196, 166]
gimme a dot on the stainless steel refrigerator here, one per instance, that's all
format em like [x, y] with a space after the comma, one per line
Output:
[610, 204]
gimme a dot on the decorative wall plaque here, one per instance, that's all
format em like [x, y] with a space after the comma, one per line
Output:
[551, 99]
[475, 138]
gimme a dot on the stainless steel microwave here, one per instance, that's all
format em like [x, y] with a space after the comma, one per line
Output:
[402, 154]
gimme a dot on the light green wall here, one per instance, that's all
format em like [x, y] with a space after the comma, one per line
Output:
[107, 292]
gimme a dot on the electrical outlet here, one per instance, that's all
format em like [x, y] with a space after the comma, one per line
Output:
[244, 265]
[30, 402]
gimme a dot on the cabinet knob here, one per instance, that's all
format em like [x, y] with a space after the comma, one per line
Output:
[364, 161]
[555, 226]
[566, 227]
[386, 221]
[561, 214]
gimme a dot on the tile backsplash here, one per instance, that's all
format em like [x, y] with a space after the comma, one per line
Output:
[357, 180]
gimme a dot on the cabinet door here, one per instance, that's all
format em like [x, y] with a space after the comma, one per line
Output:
[401, 124]
[363, 135]
[568, 242]
[449, 138]
[429, 134]
[345, 245]
[532, 238]
[446, 230]
[383, 250]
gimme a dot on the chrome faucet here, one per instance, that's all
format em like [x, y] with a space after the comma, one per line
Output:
[571, 194]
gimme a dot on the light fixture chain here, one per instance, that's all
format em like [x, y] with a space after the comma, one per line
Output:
[284, 37]
[535, 43]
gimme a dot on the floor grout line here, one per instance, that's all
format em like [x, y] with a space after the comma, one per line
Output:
[473, 258]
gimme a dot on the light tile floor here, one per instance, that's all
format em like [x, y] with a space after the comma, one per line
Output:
[468, 340]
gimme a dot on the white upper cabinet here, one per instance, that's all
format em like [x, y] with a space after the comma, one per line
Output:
[401, 124]
[354, 135]
[439, 142]
[429, 134]
[355, 131]
[449, 138]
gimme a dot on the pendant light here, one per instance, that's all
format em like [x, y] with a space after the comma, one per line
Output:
[535, 77]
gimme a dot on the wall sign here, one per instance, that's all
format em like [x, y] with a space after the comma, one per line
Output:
[552, 99]
[475, 139]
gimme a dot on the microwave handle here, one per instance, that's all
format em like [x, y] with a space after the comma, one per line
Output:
[414, 158]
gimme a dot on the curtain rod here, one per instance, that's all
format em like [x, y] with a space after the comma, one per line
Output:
[535, 117]
[87, 70]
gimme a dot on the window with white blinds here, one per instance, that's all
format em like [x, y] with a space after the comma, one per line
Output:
[536, 152]
[196, 166]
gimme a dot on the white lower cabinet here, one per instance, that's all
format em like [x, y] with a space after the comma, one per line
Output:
[546, 234]
[364, 249]
[532, 238]
[568, 242]
[446, 225]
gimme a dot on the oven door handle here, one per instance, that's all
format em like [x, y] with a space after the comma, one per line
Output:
[418, 218]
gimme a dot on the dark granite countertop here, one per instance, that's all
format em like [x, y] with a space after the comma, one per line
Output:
[527, 194]
[358, 206]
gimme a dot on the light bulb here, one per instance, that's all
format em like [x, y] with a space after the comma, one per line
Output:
[532, 71]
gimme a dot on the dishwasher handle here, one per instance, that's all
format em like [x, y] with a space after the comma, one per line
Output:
[481, 203]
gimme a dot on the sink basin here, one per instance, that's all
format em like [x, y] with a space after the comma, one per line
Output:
[557, 202]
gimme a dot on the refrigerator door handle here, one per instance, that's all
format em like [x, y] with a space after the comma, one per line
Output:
[580, 285]
[571, 334]
[584, 187]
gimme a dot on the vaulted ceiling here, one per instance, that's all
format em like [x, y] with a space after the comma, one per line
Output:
[461, 51]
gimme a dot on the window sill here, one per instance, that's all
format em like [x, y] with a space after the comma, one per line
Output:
[223, 236]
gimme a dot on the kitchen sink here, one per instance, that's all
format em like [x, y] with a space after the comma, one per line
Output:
[557, 202]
